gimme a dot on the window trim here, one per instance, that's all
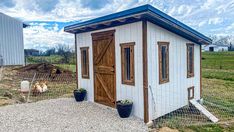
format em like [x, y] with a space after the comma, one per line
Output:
[160, 44]
[85, 76]
[189, 91]
[132, 72]
[189, 75]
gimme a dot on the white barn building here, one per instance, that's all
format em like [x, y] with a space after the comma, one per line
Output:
[216, 48]
[11, 41]
[140, 54]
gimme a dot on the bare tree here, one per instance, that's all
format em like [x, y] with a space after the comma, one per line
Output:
[65, 52]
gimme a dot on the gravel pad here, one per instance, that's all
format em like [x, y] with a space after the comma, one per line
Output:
[65, 114]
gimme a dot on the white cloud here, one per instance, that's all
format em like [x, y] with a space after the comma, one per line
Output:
[38, 36]
[208, 4]
[230, 27]
[202, 23]
[215, 21]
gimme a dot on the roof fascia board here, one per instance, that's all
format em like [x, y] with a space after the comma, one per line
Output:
[111, 16]
[103, 22]
[108, 26]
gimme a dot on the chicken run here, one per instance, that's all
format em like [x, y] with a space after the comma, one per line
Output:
[44, 72]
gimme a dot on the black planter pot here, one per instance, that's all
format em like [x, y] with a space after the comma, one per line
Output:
[79, 96]
[124, 110]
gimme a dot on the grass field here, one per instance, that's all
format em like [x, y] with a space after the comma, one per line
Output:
[218, 89]
[70, 67]
[53, 59]
[218, 78]
[218, 60]
[38, 59]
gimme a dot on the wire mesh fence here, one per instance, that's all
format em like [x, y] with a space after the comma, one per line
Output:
[57, 86]
[217, 100]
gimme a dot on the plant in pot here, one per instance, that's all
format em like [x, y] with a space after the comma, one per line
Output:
[80, 94]
[124, 108]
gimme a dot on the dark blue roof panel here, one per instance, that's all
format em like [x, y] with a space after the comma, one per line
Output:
[146, 12]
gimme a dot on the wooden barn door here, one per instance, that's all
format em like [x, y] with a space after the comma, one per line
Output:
[104, 67]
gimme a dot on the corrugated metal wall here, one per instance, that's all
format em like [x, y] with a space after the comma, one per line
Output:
[11, 40]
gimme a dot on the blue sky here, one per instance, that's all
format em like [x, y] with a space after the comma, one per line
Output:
[48, 17]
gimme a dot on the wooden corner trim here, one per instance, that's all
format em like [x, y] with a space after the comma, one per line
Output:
[200, 71]
[76, 61]
[145, 71]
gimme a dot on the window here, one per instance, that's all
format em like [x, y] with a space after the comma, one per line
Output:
[163, 54]
[190, 60]
[85, 62]
[127, 63]
[190, 93]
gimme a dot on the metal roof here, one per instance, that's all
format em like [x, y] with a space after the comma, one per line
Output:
[145, 12]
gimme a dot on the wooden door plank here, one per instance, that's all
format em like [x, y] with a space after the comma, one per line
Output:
[100, 55]
[104, 87]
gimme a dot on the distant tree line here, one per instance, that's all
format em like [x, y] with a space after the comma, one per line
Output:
[223, 40]
[65, 51]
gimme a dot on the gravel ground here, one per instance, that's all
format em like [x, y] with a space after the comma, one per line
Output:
[65, 115]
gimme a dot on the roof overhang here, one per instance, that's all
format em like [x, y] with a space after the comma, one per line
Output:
[146, 12]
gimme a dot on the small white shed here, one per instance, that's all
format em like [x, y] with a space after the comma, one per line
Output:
[140, 54]
[11, 40]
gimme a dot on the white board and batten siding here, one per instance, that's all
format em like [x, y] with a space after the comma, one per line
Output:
[172, 95]
[123, 34]
[11, 40]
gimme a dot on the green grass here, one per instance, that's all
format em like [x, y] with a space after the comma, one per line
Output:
[206, 128]
[40, 59]
[70, 67]
[210, 128]
[55, 90]
[218, 74]
[54, 59]
[218, 60]
[218, 84]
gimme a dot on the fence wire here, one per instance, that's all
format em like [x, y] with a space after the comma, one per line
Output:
[220, 103]
[58, 85]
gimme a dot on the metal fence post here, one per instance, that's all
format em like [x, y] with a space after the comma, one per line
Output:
[31, 86]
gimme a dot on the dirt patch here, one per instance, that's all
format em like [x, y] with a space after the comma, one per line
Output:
[43, 68]
[6, 101]
[167, 129]
[44, 71]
